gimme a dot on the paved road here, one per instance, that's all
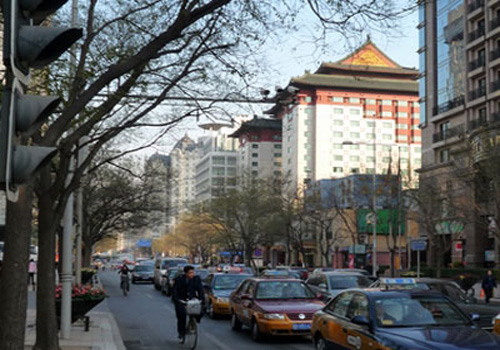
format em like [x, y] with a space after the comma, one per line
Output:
[147, 322]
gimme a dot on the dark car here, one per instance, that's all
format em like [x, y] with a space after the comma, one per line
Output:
[468, 304]
[273, 307]
[143, 273]
[167, 280]
[329, 284]
[162, 265]
[218, 287]
[396, 320]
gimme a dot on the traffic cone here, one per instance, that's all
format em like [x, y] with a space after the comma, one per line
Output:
[482, 294]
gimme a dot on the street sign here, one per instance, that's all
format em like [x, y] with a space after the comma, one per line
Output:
[144, 243]
[418, 245]
[459, 246]
[358, 249]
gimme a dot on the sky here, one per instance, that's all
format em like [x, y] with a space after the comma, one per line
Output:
[292, 55]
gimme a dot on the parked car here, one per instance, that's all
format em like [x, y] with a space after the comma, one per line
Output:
[329, 284]
[280, 307]
[167, 281]
[164, 264]
[466, 302]
[322, 269]
[280, 274]
[143, 273]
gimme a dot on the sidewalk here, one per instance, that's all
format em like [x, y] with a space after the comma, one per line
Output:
[103, 334]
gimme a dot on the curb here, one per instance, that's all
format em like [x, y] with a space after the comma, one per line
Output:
[110, 330]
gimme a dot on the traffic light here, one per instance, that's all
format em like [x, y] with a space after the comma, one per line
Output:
[27, 45]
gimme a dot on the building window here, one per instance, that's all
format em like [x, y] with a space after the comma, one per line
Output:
[387, 125]
[403, 149]
[255, 145]
[231, 171]
[386, 114]
[386, 102]
[231, 161]
[354, 170]
[386, 148]
[254, 137]
[337, 99]
[289, 138]
[255, 173]
[354, 147]
[277, 164]
[218, 171]
[370, 159]
[277, 146]
[402, 115]
[307, 99]
[338, 134]
[355, 135]
[338, 158]
[338, 111]
[338, 169]
[370, 136]
[402, 126]
[276, 173]
[255, 163]
[415, 127]
[354, 123]
[416, 116]
[402, 103]
[355, 111]
[254, 155]
[403, 160]
[370, 148]
[386, 137]
[402, 138]
[307, 134]
[354, 100]
[444, 156]
[370, 113]
[277, 137]
[354, 158]
[337, 146]
[370, 170]
[370, 101]
[370, 124]
[417, 138]
[338, 122]
[277, 155]
[386, 159]
[417, 162]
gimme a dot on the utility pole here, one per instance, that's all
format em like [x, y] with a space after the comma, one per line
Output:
[374, 200]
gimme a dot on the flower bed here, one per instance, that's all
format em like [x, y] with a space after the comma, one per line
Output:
[83, 292]
[83, 299]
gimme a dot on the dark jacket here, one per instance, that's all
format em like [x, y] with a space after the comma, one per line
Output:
[489, 282]
[184, 289]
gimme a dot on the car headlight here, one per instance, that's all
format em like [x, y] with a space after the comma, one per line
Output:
[223, 300]
[274, 316]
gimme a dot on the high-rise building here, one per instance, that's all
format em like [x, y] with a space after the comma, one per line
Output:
[158, 173]
[216, 170]
[357, 115]
[460, 110]
[260, 147]
[182, 182]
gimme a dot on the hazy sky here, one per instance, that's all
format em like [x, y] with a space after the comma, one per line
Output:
[291, 55]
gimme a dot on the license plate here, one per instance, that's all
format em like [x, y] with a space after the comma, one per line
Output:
[301, 326]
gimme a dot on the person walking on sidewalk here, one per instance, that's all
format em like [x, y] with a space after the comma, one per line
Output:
[32, 270]
[186, 287]
[489, 283]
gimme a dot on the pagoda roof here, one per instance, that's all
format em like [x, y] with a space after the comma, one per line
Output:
[257, 123]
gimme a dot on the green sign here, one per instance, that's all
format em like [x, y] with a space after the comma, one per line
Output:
[364, 219]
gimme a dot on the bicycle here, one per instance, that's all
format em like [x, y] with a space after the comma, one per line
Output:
[124, 284]
[193, 309]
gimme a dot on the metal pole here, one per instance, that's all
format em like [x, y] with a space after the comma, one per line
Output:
[399, 207]
[418, 264]
[66, 270]
[374, 198]
[82, 155]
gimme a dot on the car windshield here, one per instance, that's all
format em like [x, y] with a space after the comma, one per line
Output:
[283, 290]
[172, 273]
[417, 312]
[202, 273]
[228, 281]
[143, 268]
[344, 282]
[173, 263]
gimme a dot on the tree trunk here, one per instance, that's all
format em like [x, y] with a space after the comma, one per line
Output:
[14, 274]
[46, 321]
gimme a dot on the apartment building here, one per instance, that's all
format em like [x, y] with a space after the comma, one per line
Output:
[356, 115]
[460, 110]
[260, 147]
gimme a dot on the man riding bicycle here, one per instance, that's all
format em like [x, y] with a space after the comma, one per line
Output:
[186, 287]
[124, 271]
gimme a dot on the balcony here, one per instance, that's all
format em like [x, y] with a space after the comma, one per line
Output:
[456, 102]
[476, 34]
[477, 63]
[477, 123]
[448, 133]
[495, 54]
[494, 23]
[495, 86]
[479, 92]
[474, 5]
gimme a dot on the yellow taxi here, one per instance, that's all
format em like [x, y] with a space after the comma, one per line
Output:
[281, 307]
[496, 324]
[375, 319]
[218, 287]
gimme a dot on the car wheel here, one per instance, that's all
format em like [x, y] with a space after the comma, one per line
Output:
[235, 323]
[320, 343]
[256, 334]
[211, 311]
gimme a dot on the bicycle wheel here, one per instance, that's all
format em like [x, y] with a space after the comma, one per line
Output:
[191, 337]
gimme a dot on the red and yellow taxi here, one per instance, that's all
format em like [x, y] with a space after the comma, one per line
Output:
[281, 307]
[373, 319]
[218, 287]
